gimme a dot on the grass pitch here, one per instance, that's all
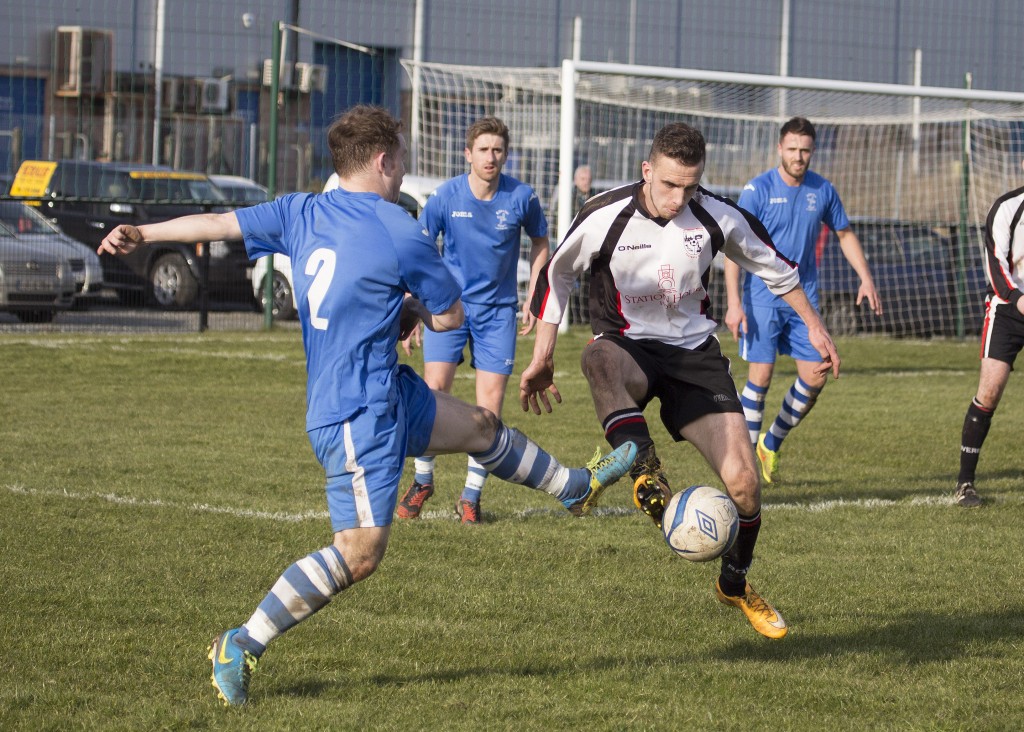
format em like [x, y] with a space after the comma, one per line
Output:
[153, 488]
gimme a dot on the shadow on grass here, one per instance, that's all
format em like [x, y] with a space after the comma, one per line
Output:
[915, 638]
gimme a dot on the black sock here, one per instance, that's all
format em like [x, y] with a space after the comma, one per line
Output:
[976, 424]
[628, 425]
[733, 578]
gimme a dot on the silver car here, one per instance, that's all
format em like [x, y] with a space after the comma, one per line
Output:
[34, 284]
[29, 227]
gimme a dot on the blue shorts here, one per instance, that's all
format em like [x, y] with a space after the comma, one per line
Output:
[363, 456]
[491, 332]
[772, 331]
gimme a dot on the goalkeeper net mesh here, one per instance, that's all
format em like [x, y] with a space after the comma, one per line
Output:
[929, 163]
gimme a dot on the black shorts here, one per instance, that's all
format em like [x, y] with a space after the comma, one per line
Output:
[688, 383]
[1002, 335]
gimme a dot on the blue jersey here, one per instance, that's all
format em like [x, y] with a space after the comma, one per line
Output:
[354, 256]
[793, 216]
[481, 238]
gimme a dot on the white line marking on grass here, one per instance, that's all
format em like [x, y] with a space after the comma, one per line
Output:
[526, 514]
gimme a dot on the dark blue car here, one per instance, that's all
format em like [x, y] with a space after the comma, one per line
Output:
[931, 283]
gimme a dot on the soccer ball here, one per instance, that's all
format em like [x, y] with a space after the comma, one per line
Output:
[700, 523]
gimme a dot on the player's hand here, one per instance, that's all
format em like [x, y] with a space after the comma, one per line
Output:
[122, 239]
[822, 342]
[736, 321]
[413, 338]
[528, 320]
[867, 292]
[535, 385]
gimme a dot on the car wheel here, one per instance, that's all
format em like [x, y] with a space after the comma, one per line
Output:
[35, 316]
[840, 316]
[172, 283]
[283, 306]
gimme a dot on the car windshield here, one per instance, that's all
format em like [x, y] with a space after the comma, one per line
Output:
[17, 218]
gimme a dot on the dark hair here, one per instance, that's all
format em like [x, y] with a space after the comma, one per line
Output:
[486, 126]
[359, 135]
[680, 142]
[798, 126]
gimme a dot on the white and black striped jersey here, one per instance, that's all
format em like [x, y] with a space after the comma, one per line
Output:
[1004, 248]
[649, 276]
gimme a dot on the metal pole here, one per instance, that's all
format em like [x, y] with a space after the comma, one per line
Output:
[158, 76]
[275, 70]
[962, 239]
[566, 146]
[414, 105]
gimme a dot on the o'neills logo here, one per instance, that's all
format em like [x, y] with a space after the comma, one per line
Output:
[633, 247]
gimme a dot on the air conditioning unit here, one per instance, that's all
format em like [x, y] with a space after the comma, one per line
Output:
[172, 94]
[83, 61]
[310, 77]
[213, 96]
[286, 76]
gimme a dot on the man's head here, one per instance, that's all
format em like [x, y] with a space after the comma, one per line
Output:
[367, 139]
[583, 178]
[796, 146]
[673, 169]
[486, 148]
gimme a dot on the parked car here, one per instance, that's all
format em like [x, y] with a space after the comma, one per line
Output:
[25, 224]
[88, 199]
[34, 284]
[916, 271]
[414, 194]
[238, 190]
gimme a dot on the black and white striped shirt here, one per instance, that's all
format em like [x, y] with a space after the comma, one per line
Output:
[1004, 248]
[649, 276]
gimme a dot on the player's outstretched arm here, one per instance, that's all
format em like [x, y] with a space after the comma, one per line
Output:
[816, 331]
[538, 379]
[854, 253]
[126, 239]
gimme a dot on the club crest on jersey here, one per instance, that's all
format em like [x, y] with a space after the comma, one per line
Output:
[812, 201]
[693, 242]
[502, 216]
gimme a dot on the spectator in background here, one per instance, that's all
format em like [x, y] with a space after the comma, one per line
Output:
[582, 180]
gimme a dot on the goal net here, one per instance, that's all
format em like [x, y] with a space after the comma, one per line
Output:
[917, 167]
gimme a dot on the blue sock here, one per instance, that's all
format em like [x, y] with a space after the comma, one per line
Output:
[516, 458]
[303, 588]
[752, 400]
[798, 402]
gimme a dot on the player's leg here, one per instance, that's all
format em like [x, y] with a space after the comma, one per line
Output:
[362, 458]
[758, 347]
[723, 441]
[492, 331]
[490, 394]
[441, 354]
[801, 397]
[977, 421]
[620, 376]
[510, 455]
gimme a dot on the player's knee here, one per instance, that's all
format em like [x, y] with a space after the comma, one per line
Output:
[486, 424]
[743, 485]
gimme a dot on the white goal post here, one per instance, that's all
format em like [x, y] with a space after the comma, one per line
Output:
[919, 166]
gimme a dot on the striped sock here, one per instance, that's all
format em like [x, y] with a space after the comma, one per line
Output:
[424, 467]
[798, 402]
[516, 458]
[300, 591]
[475, 478]
[752, 400]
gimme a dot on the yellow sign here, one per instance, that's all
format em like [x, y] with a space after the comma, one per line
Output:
[165, 175]
[32, 178]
